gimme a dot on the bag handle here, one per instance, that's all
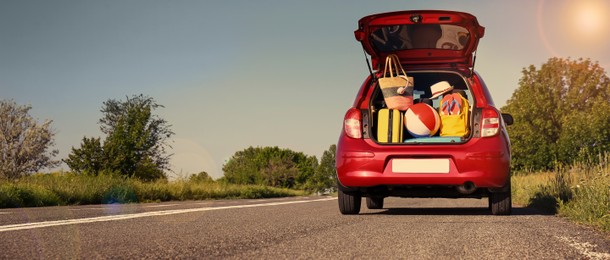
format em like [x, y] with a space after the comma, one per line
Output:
[392, 63]
[398, 65]
[388, 63]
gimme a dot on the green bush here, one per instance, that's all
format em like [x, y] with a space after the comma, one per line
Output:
[26, 195]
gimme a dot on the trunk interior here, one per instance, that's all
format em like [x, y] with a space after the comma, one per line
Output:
[422, 94]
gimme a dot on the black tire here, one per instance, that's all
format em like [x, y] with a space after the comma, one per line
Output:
[349, 204]
[501, 203]
[374, 203]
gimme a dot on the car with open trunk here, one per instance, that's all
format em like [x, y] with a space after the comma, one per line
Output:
[432, 46]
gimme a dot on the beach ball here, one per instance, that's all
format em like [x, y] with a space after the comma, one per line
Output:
[422, 120]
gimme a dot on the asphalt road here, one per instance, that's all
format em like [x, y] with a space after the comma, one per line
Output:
[310, 228]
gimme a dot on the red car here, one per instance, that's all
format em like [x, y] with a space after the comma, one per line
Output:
[432, 46]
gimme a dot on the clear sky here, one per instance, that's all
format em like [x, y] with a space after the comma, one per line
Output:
[233, 74]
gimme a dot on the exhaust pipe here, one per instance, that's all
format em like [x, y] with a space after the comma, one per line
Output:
[467, 188]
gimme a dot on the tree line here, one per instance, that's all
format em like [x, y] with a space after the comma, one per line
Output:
[135, 146]
[284, 168]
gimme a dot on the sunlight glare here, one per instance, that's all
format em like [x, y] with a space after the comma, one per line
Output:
[588, 19]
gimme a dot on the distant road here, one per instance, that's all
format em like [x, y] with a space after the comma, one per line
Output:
[304, 227]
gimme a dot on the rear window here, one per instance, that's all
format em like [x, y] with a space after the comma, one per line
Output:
[420, 36]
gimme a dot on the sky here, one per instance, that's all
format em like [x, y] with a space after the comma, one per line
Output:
[238, 73]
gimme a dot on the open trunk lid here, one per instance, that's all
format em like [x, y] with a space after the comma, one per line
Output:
[426, 39]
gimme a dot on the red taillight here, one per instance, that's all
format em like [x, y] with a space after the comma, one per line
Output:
[490, 123]
[352, 123]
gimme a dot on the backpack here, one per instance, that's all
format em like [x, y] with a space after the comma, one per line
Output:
[454, 113]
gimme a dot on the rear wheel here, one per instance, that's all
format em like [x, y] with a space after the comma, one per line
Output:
[349, 203]
[500, 202]
[374, 203]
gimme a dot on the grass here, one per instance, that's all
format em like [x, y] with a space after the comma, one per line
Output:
[580, 192]
[71, 189]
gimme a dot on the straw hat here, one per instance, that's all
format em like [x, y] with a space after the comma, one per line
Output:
[440, 88]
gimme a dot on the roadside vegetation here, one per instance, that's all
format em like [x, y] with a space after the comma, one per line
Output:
[282, 168]
[561, 115]
[130, 163]
[580, 192]
[560, 140]
[77, 189]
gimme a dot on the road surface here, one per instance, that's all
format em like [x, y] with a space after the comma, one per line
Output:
[303, 227]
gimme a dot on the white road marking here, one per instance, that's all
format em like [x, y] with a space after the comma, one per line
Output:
[87, 209]
[160, 206]
[5, 213]
[25, 226]
[585, 248]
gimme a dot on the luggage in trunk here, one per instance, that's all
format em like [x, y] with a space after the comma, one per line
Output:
[454, 113]
[456, 120]
[389, 126]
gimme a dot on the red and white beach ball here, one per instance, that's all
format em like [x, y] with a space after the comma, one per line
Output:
[422, 120]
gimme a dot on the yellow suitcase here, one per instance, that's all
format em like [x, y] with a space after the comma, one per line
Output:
[389, 126]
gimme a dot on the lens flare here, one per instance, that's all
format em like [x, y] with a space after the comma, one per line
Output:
[541, 31]
[588, 18]
[574, 28]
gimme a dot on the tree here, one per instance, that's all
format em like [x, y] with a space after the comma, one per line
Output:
[279, 172]
[244, 167]
[202, 177]
[89, 158]
[307, 171]
[560, 113]
[24, 144]
[135, 144]
[325, 178]
[269, 166]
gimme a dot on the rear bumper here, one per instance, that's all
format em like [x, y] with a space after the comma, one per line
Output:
[481, 179]
[485, 162]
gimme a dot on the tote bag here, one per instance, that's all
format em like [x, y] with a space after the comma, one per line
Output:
[396, 87]
[454, 112]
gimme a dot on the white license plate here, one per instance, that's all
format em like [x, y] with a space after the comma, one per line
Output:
[420, 165]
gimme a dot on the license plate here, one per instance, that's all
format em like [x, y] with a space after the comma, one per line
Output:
[420, 166]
